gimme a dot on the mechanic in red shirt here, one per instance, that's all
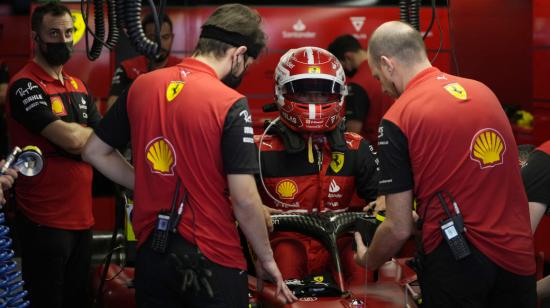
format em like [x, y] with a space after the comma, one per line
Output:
[130, 69]
[447, 140]
[50, 109]
[193, 147]
[365, 102]
[309, 164]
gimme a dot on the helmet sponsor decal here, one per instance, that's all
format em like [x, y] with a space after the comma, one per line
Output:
[314, 70]
[174, 88]
[161, 156]
[337, 161]
[487, 148]
[286, 189]
[456, 90]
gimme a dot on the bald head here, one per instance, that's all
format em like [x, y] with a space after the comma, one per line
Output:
[398, 40]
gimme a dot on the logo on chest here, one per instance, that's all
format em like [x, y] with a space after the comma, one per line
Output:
[337, 161]
[286, 189]
[333, 190]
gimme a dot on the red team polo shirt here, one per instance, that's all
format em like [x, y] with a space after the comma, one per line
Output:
[447, 133]
[184, 122]
[61, 195]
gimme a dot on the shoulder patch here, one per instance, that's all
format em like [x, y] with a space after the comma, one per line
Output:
[456, 90]
[269, 143]
[353, 140]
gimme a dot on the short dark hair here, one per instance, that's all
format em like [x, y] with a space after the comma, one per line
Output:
[343, 44]
[150, 19]
[236, 18]
[52, 8]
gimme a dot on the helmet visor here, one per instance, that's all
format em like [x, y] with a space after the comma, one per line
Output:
[312, 91]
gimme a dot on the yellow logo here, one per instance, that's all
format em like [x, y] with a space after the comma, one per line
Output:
[457, 91]
[337, 161]
[79, 26]
[487, 148]
[174, 88]
[57, 106]
[318, 279]
[74, 84]
[160, 155]
[314, 70]
[286, 189]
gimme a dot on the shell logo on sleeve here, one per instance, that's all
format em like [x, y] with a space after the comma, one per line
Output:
[57, 106]
[160, 156]
[457, 91]
[286, 189]
[487, 148]
[174, 88]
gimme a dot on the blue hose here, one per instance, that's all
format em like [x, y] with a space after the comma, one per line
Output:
[12, 294]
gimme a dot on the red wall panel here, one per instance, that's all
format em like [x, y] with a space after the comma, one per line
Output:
[493, 44]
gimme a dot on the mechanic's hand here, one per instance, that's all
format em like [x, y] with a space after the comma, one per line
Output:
[267, 216]
[360, 255]
[376, 206]
[268, 270]
[6, 181]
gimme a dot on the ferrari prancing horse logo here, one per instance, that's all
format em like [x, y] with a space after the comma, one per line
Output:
[174, 88]
[337, 161]
[457, 91]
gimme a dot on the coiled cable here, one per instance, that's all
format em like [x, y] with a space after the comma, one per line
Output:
[12, 294]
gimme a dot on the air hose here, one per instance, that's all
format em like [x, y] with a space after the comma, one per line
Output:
[112, 15]
[409, 11]
[132, 16]
[12, 293]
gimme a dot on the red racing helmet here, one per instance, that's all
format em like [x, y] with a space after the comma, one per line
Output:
[310, 89]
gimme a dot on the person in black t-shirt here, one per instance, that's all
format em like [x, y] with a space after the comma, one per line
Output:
[535, 171]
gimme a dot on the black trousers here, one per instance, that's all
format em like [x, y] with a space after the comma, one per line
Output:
[158, 283]
[472, 282]
[55, 264]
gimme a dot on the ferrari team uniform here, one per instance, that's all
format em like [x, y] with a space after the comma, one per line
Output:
[187, 127]
[326, 184]
[449, 135]
[55, 206]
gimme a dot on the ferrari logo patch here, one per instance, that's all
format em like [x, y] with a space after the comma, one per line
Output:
[174, 88]
[337, 161]
[457, 91]
[74, 84]
[318, 279]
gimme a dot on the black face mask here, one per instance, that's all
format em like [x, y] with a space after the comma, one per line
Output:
[351, 73]
[231, 79]
[55, 53]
